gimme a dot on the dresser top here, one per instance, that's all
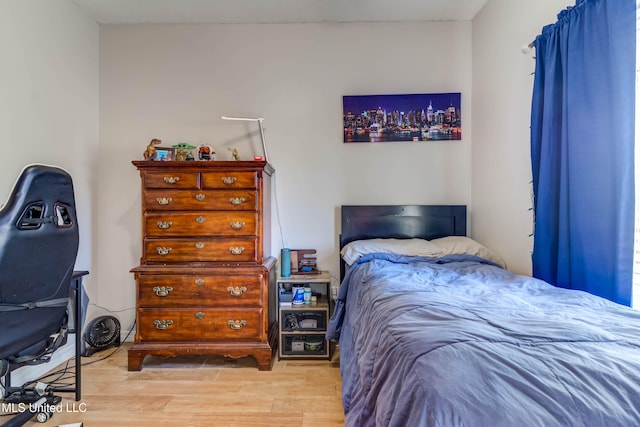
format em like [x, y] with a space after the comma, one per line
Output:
[205, 165]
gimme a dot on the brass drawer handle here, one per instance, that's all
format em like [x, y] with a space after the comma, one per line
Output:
[237, 324]
[163, 200]
[199, 282]
[162, 324]
[163, 251]
[236, 250]
[162, 291]
[200, 219]
[199, 245]
[229, 180]
[200, 315]
[200, 197]
[237, 291]
[236, 225]
[237, 200]
[163, 225]
[171, 179]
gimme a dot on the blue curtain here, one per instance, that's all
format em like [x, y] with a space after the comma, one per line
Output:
[582, 149]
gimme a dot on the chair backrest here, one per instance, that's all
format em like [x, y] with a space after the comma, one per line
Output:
[38, 237]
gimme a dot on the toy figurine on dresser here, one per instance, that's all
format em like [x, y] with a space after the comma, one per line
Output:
[150, 152]
[234, 153]
[183, 151]
[205, 152]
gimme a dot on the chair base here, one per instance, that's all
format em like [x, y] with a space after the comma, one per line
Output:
[28, 403]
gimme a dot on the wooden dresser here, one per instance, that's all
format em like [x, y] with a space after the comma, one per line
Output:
[206, 280]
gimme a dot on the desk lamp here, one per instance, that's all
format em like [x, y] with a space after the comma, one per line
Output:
[252, 119]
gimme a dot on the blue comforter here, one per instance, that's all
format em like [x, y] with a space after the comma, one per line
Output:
[459, 341]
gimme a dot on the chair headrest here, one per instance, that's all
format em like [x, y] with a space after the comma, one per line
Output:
[38, 236]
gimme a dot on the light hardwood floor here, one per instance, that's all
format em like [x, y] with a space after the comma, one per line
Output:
[204, 391]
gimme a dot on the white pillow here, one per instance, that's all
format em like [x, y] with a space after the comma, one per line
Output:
[464, 245]
[411, 247]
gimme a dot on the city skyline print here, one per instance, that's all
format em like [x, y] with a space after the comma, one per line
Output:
[397, 118]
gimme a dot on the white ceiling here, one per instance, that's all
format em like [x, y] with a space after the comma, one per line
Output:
[277, 11]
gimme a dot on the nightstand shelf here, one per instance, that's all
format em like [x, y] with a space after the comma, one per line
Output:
[303, 327]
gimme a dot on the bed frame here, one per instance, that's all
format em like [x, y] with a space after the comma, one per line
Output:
[401, 222]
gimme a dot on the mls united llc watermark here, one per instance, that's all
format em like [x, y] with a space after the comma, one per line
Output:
[12, 408]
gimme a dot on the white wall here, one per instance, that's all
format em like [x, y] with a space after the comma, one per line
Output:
[502, 88]
[173, 82]
[49, 100]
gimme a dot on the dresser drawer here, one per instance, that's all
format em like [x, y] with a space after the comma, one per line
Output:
[232, 249]
[191, 291]
[173, 200]
[170, 179]
[199, 324]
[205, 223]
[229, 179]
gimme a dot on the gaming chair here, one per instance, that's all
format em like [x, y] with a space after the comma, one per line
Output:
[38, 248]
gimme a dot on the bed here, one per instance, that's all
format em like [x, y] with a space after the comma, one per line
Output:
[454, 339]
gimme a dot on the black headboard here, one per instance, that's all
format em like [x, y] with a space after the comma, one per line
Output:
[401, 222]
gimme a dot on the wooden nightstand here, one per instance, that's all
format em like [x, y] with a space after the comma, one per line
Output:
[303, 327]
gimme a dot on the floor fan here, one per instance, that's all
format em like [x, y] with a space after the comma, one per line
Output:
[100, 334]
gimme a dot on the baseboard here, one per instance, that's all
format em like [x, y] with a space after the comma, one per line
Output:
[30, 373]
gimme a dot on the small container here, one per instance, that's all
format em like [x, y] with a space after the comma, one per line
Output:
[313, 345]
[307, 295]
[286, 296]
[285, 262]
[298, 295]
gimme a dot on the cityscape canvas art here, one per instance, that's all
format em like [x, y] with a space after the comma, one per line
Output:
[395, 118]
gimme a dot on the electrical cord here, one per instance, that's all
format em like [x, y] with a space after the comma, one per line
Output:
[64, 374]
[64, 377]
[109, 310]
[275, 204]
[291, 321]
